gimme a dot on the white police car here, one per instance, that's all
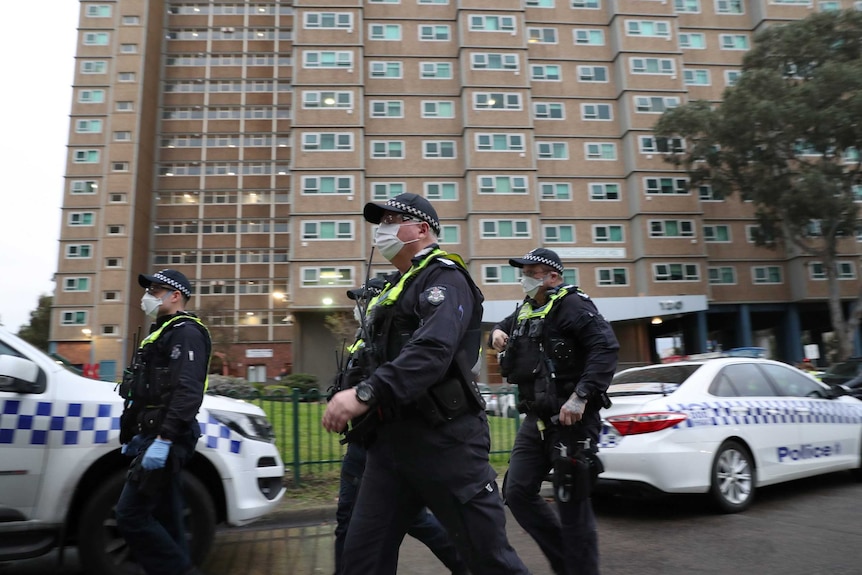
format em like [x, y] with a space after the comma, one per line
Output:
[724, 427]
[61, 471]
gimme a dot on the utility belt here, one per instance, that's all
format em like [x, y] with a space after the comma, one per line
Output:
[445, 401]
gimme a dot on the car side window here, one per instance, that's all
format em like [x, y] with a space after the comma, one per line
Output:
[744, 379]
[791, 383]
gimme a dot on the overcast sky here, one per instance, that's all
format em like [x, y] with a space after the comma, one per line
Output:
[38, 58]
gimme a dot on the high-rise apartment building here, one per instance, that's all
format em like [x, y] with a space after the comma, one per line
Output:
[237, 142]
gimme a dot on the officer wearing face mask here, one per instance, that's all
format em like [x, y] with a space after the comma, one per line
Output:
[562, 354]
[430, 440]
[162, 391]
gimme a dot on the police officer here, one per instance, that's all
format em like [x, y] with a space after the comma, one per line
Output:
[562, 355]
[425, 527]
[163, 390]
[430, 434]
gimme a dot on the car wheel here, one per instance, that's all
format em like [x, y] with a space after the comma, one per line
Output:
[102, 549]
[857, 473]
[733, 478]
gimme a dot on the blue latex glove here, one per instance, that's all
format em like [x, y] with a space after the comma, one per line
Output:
[156, 455]
[132, 448]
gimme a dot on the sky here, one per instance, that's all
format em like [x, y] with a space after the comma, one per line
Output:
[37, 56]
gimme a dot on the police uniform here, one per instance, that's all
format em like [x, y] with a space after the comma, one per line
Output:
[431, 438]
[163, 391]
[555, 350]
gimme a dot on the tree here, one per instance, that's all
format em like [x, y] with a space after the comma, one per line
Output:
[788, 137]
[38, 331]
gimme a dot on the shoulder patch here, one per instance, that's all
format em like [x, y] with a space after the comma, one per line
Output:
[435, 295]
[446, 261]
[176, 351]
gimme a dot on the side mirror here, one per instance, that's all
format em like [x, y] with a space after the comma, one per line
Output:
[19, 375]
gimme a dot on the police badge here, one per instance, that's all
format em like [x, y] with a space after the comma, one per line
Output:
[436, 295]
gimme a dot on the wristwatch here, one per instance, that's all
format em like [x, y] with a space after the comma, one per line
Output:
[364, 393]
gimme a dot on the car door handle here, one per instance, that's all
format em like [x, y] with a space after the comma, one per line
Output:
[740, 410]
[803, 410]
[774, 411]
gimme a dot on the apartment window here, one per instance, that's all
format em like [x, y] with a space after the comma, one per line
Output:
[766, 274]
[128, 48]
[327, 276]
[435, 70]
[722, 275]
[86, 157]
[495, 275]
[479, 23]
[88, 126]
[496, 101]
[96, 38]
[592, 4]
[686, 6]
[671, 228]
[384, 70]
[320, 185]
[555, 190]
[447, 191]
[98, 11]
[589, 37]
[76, 284]
[663, 66]
[696, 77]
[548, 111]
[666, 186]
[716, 233]
[117, 198]
[561, 234]
[81, 218]
[733, 41]
[432, 2]
[438, 109]
[93, 66]
[124, 106]
[328, 230]
[600, 151]
[327, 141]
[390, 32]
[126, 77]
[387, 149]
[131, 20]
[831, 6]
[79, 251]
[493, 61]
[111, 295]
[436, 149]
[676, 272]
[648, 28]
[707, 194]
[113, 263]
[755, 233]
[449, 235]
[83, 187]
[327, 59]
[692, 40]
[604, 192]
[116, 230]
[612, 277]
[326, 99]
[386, 108]
[731, 77]
[328, 20]
[592, 74]
[500, 142]
[596, 112]
[542, 35]
[91, 96]
[495, 229]
[552, 150]
[729, 7]
[73, 318]
[844, 270]
[655, 104]
[660, 145]
[540, 3]
[122, 136]
[381, 191]
[439, 33]
[502, 184]
[608, 234]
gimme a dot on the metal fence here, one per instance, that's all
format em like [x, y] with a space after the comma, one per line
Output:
[308, 449]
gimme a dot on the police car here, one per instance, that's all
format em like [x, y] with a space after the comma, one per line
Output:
[61, 471]
[724, 427]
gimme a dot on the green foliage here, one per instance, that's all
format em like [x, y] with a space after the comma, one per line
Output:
[37, 332]
[231, 387]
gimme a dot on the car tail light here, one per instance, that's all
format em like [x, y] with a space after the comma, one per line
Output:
[638, 423]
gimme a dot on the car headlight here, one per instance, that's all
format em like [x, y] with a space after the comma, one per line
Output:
[255, 427]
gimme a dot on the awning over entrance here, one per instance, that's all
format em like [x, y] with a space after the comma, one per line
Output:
[616, 308]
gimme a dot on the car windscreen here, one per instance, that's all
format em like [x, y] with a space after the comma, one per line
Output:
[847, 368]
[659, 379]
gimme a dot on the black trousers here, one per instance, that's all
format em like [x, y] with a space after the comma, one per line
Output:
[412, 465]
[569, 539]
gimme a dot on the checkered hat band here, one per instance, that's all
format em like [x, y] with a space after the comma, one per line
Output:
[168, 281]
[546, 261]
[435, 225]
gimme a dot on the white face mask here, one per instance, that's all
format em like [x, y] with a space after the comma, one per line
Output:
[531, 285]
[150, 303]
[386, 240]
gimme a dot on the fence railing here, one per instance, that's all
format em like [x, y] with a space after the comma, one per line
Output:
[308, 449]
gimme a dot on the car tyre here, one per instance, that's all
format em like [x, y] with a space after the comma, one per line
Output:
[732, 478]
[102, 549]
